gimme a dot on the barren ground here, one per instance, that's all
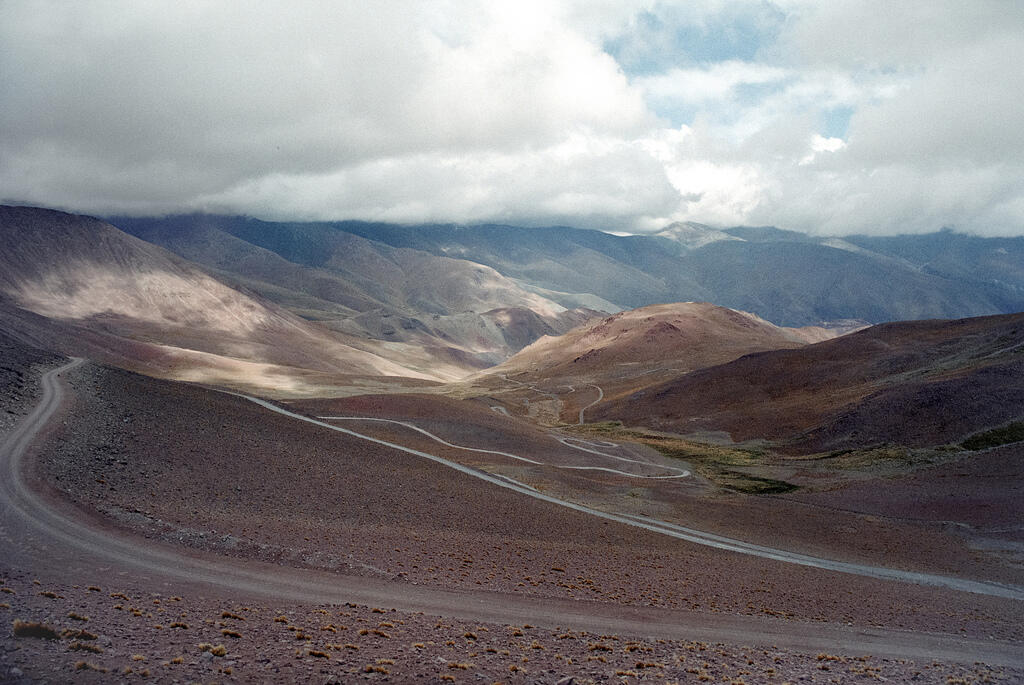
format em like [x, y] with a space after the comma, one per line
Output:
[214, 473]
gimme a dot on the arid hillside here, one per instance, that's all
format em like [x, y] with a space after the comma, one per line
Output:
[80, 286]
[365, 288]
[916, 383]
[621, 354]
[687, 335]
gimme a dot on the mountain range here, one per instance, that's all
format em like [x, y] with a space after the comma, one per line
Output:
[304, 309]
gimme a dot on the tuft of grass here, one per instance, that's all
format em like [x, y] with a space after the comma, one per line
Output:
[231, 633]
[228, 614]
[1005, 435]
[32, 629]
[49, 594]
[179, 624]
[77, 634]
[88, 666]
[85, 647]
[77, 617]
[318, 653]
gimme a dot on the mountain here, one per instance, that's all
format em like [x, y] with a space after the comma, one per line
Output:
[556, 378]
[353, 269]
[80, 286]
[364, 288]
[676, 338]
[919, 383]
[786, 277]
[690, 235]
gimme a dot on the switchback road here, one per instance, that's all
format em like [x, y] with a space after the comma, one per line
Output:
[71, 541]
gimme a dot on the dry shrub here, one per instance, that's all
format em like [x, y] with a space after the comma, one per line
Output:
[73, 634]
[86, 666]
[32, 629]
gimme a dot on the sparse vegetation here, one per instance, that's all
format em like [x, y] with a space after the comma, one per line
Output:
[717, 463]
[32, 629]
[87, 666]
[1005, 435]
[71, 633]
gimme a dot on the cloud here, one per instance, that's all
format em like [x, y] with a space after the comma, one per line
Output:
[847, 116]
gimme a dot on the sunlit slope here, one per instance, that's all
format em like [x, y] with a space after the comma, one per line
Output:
[446, 306]
[81, 272]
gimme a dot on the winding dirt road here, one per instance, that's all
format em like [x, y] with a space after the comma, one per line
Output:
[600, 396]
[40, 532]
[676, 473]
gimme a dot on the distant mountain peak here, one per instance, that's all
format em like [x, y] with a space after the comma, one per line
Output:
[692, 235]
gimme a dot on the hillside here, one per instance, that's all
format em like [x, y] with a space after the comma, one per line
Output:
[785, 277]
[916, 383]
[80, 286]
[685, 336]
[365, 288]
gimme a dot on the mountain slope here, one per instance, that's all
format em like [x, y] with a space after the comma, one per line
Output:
[62, 275]
[783, 276]
[686, 335]
[620, 355]
[361, 287]
[912, 383]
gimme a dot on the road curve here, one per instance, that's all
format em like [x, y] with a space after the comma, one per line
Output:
[679, 532]
[678, 473]
[70, 537]
[600, 396]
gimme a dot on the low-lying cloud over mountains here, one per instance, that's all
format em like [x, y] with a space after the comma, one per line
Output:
[835, 118]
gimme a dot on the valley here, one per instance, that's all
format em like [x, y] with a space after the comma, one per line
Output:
[345, 424]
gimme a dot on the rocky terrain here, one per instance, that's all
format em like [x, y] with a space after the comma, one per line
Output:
[307, 499]
[682, 491]
[127, 633]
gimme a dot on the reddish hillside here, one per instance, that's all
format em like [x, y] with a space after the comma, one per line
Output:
[645, 342]
[913, 383]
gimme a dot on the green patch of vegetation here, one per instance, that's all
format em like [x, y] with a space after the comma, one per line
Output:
[1010, 433]
[717, 463]
[754, 485]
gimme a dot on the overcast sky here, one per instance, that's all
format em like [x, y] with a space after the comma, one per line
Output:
[828, 117]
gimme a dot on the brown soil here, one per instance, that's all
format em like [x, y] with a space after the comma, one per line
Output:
[913, 383]
[143, 635]
[218, 473]
[215, 473]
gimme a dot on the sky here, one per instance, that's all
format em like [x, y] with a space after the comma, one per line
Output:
[835, 117]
